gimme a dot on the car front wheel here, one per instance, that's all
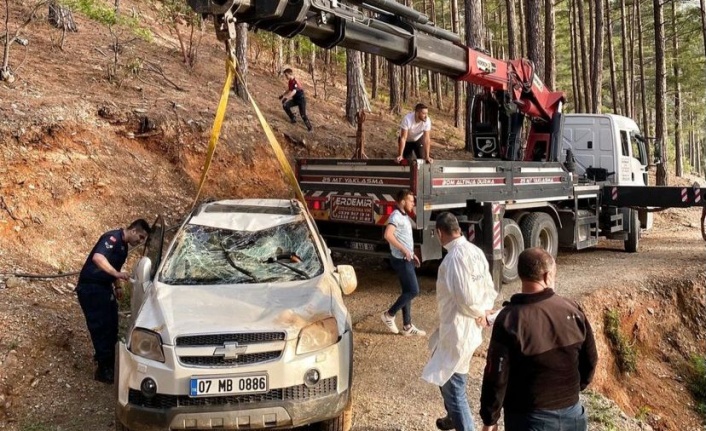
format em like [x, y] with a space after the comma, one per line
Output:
[344, 421]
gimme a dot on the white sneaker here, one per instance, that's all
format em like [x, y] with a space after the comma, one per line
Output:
[413, 330]
[389, 322]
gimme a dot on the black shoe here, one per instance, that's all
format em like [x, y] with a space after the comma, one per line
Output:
[104, 375]
[293, 120]
[445, 423]
[308, 125]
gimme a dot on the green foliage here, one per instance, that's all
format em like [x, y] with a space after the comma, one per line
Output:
[35, 426]
[625, 354]
[96, 11]
[697, 382]
[642, 413]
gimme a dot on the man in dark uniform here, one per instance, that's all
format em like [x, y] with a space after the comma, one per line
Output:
[98, 276]
[294, 96]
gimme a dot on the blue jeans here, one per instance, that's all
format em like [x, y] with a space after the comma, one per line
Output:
[410, 288]
[456, 402]
[568, 419]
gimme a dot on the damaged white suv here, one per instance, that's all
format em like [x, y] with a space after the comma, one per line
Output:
[241, 326]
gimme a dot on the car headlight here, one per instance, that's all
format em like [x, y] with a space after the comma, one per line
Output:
[147, 344]
[317, 336]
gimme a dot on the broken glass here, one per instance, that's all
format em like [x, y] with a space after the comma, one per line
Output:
[208, 255]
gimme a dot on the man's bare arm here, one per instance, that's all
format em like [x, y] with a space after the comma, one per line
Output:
[102, 263]
[400, 144]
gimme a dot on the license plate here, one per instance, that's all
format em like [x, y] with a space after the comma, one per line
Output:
[362, 246]
[203, 386]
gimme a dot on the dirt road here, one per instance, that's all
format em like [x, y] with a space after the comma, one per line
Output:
[46, 381]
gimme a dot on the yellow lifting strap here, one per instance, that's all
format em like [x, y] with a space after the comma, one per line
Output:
[231, 73]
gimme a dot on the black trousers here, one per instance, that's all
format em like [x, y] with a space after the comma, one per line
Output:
[299, 101]
[101, 311]
[413, 147]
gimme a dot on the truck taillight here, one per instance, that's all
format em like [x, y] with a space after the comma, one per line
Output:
[315, 204]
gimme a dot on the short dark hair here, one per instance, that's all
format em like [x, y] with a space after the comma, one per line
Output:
[447, 223]
[402, 195]
[533, 263]
[420, 106]
[140, 224]
[288, 71]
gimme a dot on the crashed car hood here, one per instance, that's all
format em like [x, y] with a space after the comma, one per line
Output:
[174, 311]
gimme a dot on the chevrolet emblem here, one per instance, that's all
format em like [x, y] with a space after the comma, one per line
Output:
[230, 350]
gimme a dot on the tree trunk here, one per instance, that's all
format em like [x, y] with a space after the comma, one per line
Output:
[375, 65]
[457, 85]
[394, 77]
[597, 64]
[356, 97]
[627, 87]
[474, 27]
[511, 29]
[61, 17]
[550, 46]
[660, 93]
[611, 59]
[679, 152]
[241, 56]
[584, 63]
[521, 34]
[643, 89]
[575, 77]
[280, 54]
[576, 58]
[535, 38]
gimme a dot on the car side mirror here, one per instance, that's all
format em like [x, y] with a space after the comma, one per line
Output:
[347, 280]
[141, 274]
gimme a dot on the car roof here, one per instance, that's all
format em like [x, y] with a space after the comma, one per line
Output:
[248, 214]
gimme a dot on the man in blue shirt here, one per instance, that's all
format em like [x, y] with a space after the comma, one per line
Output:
[96, 296]
[398, 233]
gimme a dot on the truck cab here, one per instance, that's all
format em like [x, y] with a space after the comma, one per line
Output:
[608, 148]
[607, 143]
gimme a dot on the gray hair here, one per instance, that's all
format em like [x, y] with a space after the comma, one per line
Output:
[447, 223]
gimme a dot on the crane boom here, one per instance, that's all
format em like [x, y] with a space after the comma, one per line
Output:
[513, 91]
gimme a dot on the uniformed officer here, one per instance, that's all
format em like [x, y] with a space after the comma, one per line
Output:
[98, 276]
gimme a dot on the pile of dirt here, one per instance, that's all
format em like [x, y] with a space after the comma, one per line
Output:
[664, 321]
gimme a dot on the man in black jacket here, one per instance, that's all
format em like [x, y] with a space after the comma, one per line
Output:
[542, 354]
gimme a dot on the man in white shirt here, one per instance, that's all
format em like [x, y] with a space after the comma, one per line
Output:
[464, 292]
[415, 135]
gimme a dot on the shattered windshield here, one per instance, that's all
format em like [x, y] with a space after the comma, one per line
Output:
[208, 255]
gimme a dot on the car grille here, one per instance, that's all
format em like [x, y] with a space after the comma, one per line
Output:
[220, 339]
[220, 361]
[292, 393]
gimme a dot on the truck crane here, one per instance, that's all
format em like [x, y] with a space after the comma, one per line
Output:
[575, 178]
[406, 37]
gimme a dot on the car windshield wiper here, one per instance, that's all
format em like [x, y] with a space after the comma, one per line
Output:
[290, 267]
[232, 263]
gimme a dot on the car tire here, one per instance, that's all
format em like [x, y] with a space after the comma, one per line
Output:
[344, 421]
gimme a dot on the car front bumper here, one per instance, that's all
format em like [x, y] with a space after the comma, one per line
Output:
[287, 403]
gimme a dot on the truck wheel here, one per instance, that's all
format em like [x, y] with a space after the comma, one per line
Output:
[344, 422]
[633, 241]
[513, 244]
[539, 230]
